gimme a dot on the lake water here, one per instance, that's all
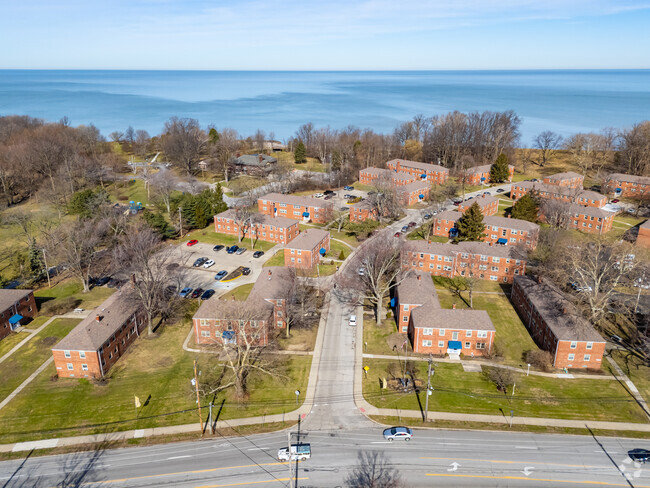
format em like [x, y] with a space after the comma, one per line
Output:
[279, 102]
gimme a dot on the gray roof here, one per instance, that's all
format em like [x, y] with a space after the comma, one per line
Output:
[281, 222]
[482, 200]
[510, 223]
[8, 298]
[448, 215]
[448, 249]
[574, 208]
[645, 225]
[308, 239]
[560, 315]
[380, 172]
[91, 334]
[559, 190]
[417, 288]
[419, 165]
[376, 171]
[484, 168]
[629, 178]
[296, 200]
[427, 316]
[567, 175]
[255, 160]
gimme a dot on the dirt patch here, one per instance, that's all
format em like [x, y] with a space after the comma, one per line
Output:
[48, 341]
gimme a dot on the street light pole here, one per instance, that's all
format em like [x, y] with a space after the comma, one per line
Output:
[426, 405]
[198, 401]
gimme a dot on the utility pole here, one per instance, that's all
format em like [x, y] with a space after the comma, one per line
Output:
[293, 482]
[210, 419]
[426, 404]
[180, 220]
[198, 401]
[49, 285]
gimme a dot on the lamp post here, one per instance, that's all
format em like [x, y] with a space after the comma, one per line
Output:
[528, 372]
[297, 392]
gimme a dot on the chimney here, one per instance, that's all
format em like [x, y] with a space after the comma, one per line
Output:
[453, 306]
[98, 318]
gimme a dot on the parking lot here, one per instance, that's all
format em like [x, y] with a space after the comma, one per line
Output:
[201, 277]
[338, 200]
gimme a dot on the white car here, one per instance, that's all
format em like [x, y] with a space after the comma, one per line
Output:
[318, 195]
[208, 263]
[296, 452]
[353, 321]
[362, 271]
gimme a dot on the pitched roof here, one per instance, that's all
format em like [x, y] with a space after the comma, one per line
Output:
[375, 171]
[8, 298]
[295, 200]
[483, 201]
[448, 215]
[448, 249]
[427, 316]
[308, 239]
[416, 289]
[645, 225]
[558, 190]
[91, 334]
[629, 178]
[415, 186]
[558, 313]
[281, 222]
[255, 160]
[567, 175]
[574, 208]
[516, 224]
[416, 164]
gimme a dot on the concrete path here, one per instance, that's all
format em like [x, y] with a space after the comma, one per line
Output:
[20, 388]
[630, 386]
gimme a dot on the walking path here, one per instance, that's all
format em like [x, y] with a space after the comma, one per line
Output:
[633, 389]
[20, 388]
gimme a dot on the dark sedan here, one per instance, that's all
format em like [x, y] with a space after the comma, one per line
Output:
[246, 271]
[258, 254]
[641, 456]
[218, 247]
[197, 293]
[207, 294]
[232, 249]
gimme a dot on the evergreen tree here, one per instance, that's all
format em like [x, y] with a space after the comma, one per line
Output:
[526, 208]
[159, 224]
[85, 203]
[499, 171]
[470, 226]
[35, 261]
[300, 155]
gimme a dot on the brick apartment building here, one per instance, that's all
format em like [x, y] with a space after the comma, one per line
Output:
[370, 176]
[591, 220]
[498, 230]
[264, 227]
[556, 326]
[481, 174]
[489, 205]
[254, 320]
[438, 331]
[568, 180]
[476, 259]
[96, 344]
[623, 185]
[295, 207]
[643, 238]
[413, 193]
[16, 308]
[433, 173]
[563, 194]
[305, 250]
[361, 211]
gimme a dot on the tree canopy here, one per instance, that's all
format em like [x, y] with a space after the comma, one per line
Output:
[300, 155]
[470, 226]
[499, 171]
[526, 208]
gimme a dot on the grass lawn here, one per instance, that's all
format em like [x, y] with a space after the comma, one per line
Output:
[326, 269]
[505, 207]
[336, 248]
[625, 218]
[443, 283]
[156, 369]
[276, 260]
[240, 293]
[10, 341]
[243, 183]
[535, 396]
[376, 337]
[344, 236]
[286, 159]
[28, 358]
[416, 236]
[300, 339]
[634, 368]
[127, 190]
[211, 237]
[71, 287]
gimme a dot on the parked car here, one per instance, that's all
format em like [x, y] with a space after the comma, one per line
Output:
[246, 271]
[641, 456]
[343, 209]
[232, 249]
[192, 242]
[577, 287]
[348, 187]
[397, 234]
[295, 452]
[500, 190]
[169, 292]
[208, 263]
[258, 254]
[631, 210]
[456, 204]
[207, 294]
[427, 216]
[412, 224]
[199, 262]
[221, 275]
[102, 281]
[616, 200]
[318, 195]
[197, 293]
[352, 322]
[328, 197]
[328, 192]
[362, 271]
[115, 283]
[240, 250]
[218, 247]
[487, 193]
[185, 292]
[398, 433]
[405, 228]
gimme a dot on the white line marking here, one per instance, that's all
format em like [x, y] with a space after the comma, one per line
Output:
[177, 457]
[381, 442]
[258, 448]
[527, 447]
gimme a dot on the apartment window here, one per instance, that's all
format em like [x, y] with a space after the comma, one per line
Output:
[590, 345]
[454, 336]
[468, 333]
[405, 319]
[495, 268]
[82, 355]
[468, 345]
[70, 367]
[426, 343]
[442, 332]
[484, 258]
[481, 333]
[427, 331]
[494, 278]
[204, 322]
[66, 354]
[574, 344]
[441, 343]
[571, 356]
[84, 367]
[587, 357]
[480, 345]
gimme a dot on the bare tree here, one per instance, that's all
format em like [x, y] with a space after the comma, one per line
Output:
[634, 149]
[164, 183]
[555, 213]
[223, 146]
[547, 143]
[183, 141]
[142, 255]
[385, 202]
[141, 143]
[380, 259]
[374, 470]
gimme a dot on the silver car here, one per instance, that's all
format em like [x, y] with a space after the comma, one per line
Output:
[398, 433]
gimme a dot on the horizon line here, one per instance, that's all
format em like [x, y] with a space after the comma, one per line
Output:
[327, 70]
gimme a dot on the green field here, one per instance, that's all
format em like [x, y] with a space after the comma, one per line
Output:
[72, 288]
[240, 293]
[156, 369]
[336, 248]
[10, 341]
[535, 396]
[30, 356]
[276, 260]
[634, 368]
[209, 236]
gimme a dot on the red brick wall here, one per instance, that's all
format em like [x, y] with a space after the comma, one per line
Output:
[317, 214]
[590, 224]
[433, 176]
[470, 344]
[260, 231]
[521, 237]
[441, 227]
[413, 197]
[629, 189]
[300, 258]
[563, 351]
[91, 361]
[209, 331]
[576, 182]
[492, 208]
[25, 306]
[643, 239]
[361, 214]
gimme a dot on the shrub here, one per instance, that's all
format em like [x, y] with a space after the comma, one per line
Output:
[60, 306]
[539, 359]
[341, 255]
[501, 377]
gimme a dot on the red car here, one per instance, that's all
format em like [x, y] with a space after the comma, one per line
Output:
[192, 242]
[616, 200]
[397, 234]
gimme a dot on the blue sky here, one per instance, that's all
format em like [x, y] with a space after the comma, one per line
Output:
[324, 35]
